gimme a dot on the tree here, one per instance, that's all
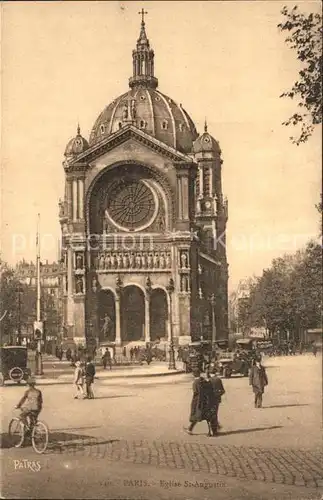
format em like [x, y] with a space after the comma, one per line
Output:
[305, 36]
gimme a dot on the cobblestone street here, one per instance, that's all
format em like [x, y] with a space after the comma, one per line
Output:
[130, 434]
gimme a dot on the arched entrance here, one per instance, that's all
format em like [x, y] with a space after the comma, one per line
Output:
[132, 314]
[106, 316]
[158, 314]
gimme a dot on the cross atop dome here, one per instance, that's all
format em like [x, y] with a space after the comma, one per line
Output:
[142, 13]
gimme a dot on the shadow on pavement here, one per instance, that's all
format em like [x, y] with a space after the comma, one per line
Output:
[287, 406]
[255, 429]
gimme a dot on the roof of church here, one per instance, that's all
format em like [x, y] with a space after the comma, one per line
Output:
[151, 111]
[77, 145]
[145, 107]
[206, 143]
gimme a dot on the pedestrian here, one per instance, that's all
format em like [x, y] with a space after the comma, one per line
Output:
[217, 391]
[200, 402]
[68, 354]
[131, 353]
[106, 359]
[301, 347]
[258, 380]
[79, 380]
[89, 378]
[314, 349]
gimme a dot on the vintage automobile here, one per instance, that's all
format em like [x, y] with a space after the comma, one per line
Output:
[233, 363]
[13, 364]
[238, 362]
[198, 355]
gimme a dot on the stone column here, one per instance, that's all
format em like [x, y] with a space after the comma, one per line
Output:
[80, 199]
[201, 180]
[118, 319]
[69, 200]
[74, 200]
[211, 180]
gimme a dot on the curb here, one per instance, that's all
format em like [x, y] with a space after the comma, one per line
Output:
[41, 380]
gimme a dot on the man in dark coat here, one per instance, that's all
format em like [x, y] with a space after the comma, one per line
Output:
[217, 390]
[258, 380]
[106, 359]
[200, 402]
[89, 378]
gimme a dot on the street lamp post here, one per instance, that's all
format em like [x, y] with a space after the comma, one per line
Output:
[213, 302]
[19, 291]
[170, 290]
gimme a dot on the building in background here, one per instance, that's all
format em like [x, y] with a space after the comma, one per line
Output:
[143, 221]
[51, 298]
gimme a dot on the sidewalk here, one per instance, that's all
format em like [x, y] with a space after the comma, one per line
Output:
[128, 373]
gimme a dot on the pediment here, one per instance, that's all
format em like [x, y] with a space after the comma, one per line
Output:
[132, 139]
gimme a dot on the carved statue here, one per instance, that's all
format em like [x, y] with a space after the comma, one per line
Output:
[132, 260]
[95, 261]
[144, 261]
[107, 325]
[119, 260]
[114, 262]
[156, 260]
[184, 260]
[94, 284]
[168, 261]
[138, 260]
[101, 261]
[79, 261]
[125, 261]
[125, 112]
[150, 260]
[79, 285]
[161, 224]
[162, 261]
[107, 261]
[184, 283]
[133, 109]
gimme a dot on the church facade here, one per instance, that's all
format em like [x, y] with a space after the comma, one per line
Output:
[143, 221]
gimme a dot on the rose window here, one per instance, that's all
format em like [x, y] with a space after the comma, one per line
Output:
[131, 204]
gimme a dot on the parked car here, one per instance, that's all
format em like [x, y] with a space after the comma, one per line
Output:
[13, 364]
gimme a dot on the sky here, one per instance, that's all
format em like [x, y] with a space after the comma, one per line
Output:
[63, 62]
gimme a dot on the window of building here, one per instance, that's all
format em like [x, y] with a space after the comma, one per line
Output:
[102, 128]
[120, 125]
[142, 124]
[181, 127]
[164, 124]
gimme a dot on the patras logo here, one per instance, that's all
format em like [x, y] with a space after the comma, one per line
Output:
[32, 465]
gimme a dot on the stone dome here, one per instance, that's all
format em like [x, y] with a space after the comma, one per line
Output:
[205, 143]
[77, 145]
[150, 111]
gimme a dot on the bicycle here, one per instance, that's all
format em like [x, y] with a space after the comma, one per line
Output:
[19, 429]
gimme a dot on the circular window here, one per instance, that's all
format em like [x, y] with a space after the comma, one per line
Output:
[131, 204]
[142, 97]
[206, 139]
[157, 98]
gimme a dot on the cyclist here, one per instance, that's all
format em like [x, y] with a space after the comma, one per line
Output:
[31, 403]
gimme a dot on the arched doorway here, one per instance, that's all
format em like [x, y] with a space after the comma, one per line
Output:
[158, 314]
[133, 314]
[106, 316]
